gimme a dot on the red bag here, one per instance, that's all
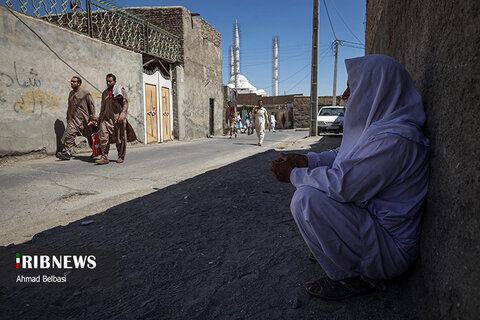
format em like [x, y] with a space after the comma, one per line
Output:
[96, 144]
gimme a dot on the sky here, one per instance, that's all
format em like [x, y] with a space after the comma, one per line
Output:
[291, 21]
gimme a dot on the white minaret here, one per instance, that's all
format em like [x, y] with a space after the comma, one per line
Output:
[275, 66]
[232, 62]
[237, 54]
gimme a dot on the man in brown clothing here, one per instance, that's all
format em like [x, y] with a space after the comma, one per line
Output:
[113, 120]
[231, 118]
[81, 111]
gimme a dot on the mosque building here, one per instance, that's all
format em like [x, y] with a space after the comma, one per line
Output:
[237, 80]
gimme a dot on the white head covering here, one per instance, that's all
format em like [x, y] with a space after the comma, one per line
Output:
[117, 90]
[383, 99]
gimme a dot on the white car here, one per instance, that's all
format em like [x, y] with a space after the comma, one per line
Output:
[330, 119]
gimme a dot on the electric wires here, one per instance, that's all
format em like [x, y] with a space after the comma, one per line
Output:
[346, 25]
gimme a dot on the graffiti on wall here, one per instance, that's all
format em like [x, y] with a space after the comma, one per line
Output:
[32, 100]
[6, 82]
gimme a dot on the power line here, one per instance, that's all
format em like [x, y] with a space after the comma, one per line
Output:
[292, 46]
[298, 83]
[345, 22]
[322, 56]
[328, 15]
[291, 76]
[53, 51]
[252, 62]
[350, 46]
[351, 42]
[282, 50]
[269, 62]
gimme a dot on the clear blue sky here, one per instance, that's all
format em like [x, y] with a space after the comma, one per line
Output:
[291, 21]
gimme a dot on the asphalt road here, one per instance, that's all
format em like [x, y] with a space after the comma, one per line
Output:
[39, 194]
[219, 245]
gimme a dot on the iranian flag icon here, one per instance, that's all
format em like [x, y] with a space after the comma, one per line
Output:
[17, 260]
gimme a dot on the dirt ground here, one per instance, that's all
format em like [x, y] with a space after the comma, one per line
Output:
[222, 245]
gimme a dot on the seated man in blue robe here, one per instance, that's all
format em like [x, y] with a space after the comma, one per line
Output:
[358, 207]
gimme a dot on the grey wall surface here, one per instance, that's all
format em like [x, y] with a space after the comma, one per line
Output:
[35, 83]
[439, 44]
[202, 80]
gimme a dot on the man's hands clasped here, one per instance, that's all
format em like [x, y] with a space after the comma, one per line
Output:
[283, 166]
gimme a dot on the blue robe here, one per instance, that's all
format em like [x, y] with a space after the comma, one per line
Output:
[359, 207]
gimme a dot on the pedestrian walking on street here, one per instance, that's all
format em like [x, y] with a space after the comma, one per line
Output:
[358, 207]
[113, 120]
[80, 112]
[260, 119]
[272, 122]
[231, 119]
[249, 126]
[239, 123]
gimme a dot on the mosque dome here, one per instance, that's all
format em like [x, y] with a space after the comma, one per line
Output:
[244, 86]
[262, 93]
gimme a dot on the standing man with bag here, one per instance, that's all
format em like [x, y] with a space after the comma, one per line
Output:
[113, 120]
[80, 112]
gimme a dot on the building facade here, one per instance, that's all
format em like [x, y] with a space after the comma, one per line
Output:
[291, 111]
[176, 96]
[196, 76]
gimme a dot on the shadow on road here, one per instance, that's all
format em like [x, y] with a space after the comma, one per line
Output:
[83, 158]
[220, 245]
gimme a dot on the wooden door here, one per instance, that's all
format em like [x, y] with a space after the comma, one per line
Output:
[151, 109]
[166, 116]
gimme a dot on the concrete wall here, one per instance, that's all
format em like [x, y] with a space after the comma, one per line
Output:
[438, 42]
[34, 82]
[202, 78]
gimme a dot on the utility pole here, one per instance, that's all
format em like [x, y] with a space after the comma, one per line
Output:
[314, 80]
[334, 97]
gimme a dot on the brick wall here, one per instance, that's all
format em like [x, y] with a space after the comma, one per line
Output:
[209, 33]
[252, 99]
[281, 106]
[301, 112]
[301, 109]
[172, 19]
[167, 18]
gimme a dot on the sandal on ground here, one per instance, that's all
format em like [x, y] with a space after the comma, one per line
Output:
[339, 289]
